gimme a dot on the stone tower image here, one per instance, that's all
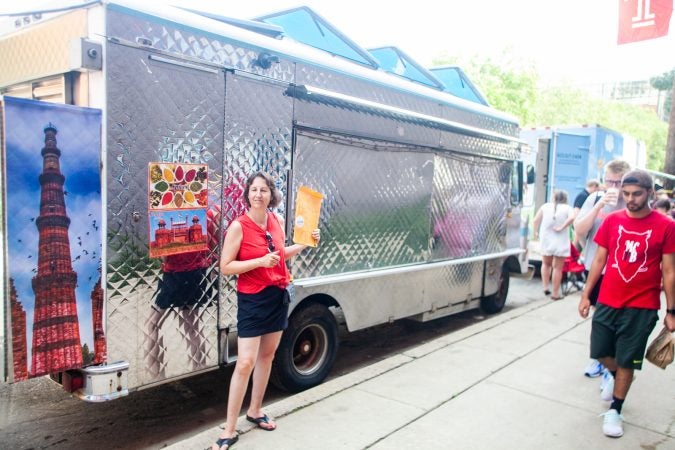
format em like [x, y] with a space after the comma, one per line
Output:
[56, 334]
[97, 313]
[19, 346]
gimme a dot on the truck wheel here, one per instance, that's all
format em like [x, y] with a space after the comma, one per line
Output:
[307, 349]
[494, 303]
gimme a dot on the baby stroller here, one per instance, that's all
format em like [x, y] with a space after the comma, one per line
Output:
[574, 276]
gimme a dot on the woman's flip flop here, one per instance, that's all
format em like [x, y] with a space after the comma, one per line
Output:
[260, 420]
[227, 441]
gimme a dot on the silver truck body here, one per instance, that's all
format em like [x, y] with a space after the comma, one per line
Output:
[421, 216]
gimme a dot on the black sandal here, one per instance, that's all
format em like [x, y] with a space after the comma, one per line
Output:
[260, 420]
[227, 441]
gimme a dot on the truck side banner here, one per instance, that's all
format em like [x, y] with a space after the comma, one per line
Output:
[52, 213]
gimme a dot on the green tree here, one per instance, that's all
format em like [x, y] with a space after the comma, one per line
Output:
[568, 105]
[87, 356]
[508, 83]
[665, 82]
[512, 85]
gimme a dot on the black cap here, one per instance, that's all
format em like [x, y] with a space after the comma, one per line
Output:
[638, 177]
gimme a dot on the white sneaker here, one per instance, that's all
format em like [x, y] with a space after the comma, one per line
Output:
[593, 369]
[612, 425]
[607, 386]
[604, 377]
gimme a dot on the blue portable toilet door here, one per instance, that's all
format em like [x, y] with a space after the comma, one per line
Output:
[569, 164]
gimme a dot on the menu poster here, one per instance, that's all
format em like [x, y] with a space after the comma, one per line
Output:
[177, 203]
[307, 211]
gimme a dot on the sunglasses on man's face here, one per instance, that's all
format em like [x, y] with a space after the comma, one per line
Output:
[270, 244]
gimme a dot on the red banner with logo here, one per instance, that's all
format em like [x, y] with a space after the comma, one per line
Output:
[640, 20]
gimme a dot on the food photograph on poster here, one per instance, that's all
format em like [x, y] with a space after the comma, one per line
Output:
[52, 211]
[177, 201]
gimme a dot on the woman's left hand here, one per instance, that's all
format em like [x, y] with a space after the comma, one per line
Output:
[316, 235]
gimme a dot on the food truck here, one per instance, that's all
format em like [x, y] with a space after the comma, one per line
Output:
[564, 158]
[128, 132]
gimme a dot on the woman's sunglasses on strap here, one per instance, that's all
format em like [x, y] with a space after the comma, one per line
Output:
[270, 244]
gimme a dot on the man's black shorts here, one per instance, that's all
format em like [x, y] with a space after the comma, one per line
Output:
[622, 333]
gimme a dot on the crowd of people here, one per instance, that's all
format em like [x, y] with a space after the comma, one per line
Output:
[626, 229]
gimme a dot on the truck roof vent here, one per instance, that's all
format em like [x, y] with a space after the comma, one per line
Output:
[394, 60]
[251, 25]
[457, 83]
[306, 26]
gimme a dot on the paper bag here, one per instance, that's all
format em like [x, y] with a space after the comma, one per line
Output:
[307, 210]
[660, 351]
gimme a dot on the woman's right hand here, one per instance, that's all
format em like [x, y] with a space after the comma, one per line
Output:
[270, 260]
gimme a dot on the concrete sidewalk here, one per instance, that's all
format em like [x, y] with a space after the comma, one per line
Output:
[513, 381]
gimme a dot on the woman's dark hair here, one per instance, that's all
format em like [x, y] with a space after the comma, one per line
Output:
[276, 195]
[559, 197]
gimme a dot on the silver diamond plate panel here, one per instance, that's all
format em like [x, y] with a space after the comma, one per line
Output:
[183, 40]
[166, 113]
[258, 136]
[372, 301]
[319, 77]
[344, 119]
[389, 205]
[479, 146]
[376, 210]
[469, 205]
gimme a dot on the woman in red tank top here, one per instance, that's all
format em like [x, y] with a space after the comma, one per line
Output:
[254, 249]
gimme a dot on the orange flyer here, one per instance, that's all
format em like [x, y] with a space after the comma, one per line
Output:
[307, 211]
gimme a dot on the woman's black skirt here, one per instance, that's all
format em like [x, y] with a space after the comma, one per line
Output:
[262, 313]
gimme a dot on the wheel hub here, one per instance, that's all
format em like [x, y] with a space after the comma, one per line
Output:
[305, 347]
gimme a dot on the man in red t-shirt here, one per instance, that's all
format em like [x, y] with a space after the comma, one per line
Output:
[637, 245]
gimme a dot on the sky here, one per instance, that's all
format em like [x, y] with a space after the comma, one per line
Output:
[571, 40]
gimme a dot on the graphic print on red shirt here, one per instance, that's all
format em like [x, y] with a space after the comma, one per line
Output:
[635, 248]
[631, 253]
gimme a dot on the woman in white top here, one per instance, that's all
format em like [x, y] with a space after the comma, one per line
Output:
[551, 224]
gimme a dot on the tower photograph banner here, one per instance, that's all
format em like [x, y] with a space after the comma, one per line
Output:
[52, 210]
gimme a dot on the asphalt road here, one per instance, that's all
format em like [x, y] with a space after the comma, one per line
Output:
[38, 414]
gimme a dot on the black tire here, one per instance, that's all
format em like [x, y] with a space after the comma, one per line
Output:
[307, 349]
[492, 304]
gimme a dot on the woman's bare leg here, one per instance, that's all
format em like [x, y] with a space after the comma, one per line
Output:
[546, 263]
[246, 359]
[261, 374]
[558, 262]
